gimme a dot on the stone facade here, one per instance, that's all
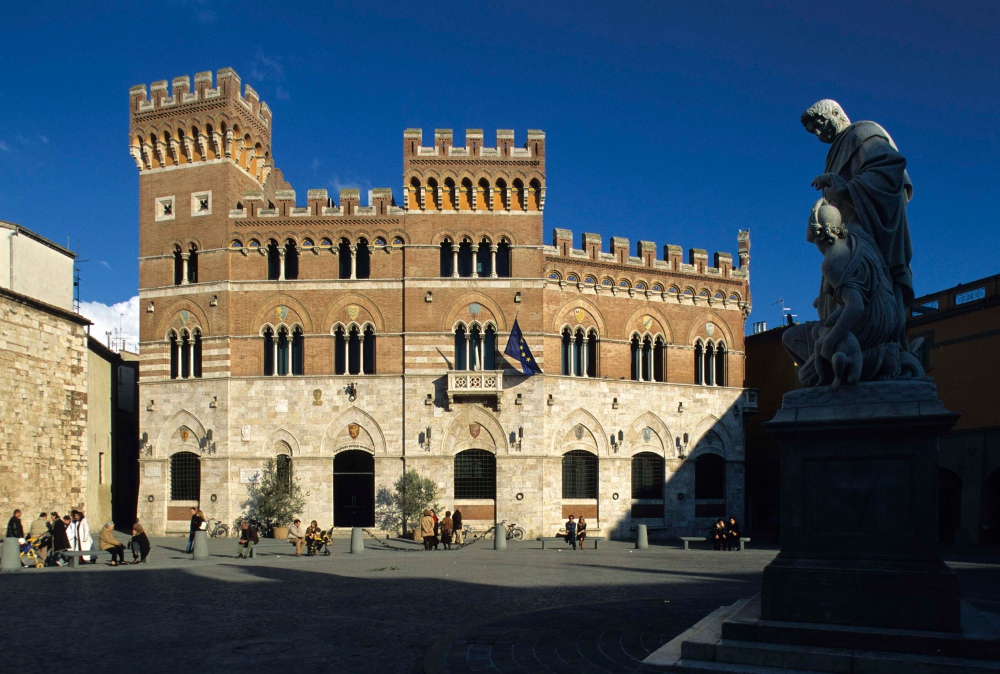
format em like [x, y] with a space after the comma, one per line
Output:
[640, 354]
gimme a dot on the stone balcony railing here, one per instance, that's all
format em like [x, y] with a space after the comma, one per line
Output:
[749, 401]
[479, 383]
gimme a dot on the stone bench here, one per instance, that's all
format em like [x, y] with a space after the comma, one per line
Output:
[270, 546]
[705, 539]
[74, 555]
[545, 539]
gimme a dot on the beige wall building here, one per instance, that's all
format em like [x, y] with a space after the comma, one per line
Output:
[354, 341]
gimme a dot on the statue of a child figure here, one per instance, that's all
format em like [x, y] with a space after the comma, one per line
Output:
[853, 340]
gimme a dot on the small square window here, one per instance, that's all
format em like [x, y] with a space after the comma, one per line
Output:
[201, 203]
[164, 208]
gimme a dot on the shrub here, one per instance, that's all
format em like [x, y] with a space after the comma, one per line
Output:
[275, 497]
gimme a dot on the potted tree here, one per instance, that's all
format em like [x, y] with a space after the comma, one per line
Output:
[275, 497]
[399, 508]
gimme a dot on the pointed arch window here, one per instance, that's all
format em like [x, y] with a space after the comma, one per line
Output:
[720, 364]
[648, 358]
[699, 363]
[269, 351]
[579, 474]
[192, 264]
[503, 261]
[475, 347]
[185, 477]
[283, 471]
[178, 266]
[344, 259]
[354, 349]
[283, 348]
[461, 348]
[449, 259]
[291, 261]
[466, 259]
[485, 259]
[709, 368]
[483, 200]
[579, 352]
[475, 474]
[174, 354]
[368, 351]
[273, 261]
[363, 259]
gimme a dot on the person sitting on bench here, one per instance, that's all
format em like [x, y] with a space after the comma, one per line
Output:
[571, 531]
[297, 537]
[139, 544]
[248, 538]
[581, 531]
[718, 534]
[107, 541]
[732, 534]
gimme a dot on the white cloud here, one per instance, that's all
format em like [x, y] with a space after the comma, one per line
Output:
[4, 146]
[265, 68]
[44, 139]
[109, 318]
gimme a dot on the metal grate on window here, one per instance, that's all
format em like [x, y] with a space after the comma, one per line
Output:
[475, 474]
[283, 471]
[647, 475]
[710, 477]
[185, 477]
[579, 474]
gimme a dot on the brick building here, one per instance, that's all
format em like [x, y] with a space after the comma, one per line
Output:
[352, 341]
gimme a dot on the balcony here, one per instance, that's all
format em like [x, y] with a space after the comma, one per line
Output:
[749, 401]
[477, 383]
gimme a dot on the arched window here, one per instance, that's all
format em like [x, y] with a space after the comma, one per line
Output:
[466, 261]
[433, 195]
[490, 348]
[298, 351]
[579, 352]
[269, 351]
[192, 264]
[449, 259]
[291, 260]
[579, 474]
[699, 363]
[709, 368]
[660, 359]
[283, 472]
[283, 350]
[534, 195]
[710, 477]
[720, 364]
[483, 201]
[340, 350]
[174, 354]
[466, 197]
[503, 259]
[178, 266]
[196, 354]
[273, 261]
[502, 196]
[187, 347]
[567, 352]
[520, 197]
[345, 257]
[475, 475]
[484, 259]
[354, 350]
[636, 358]
[363, 263]
[450, 195]
[368, 351]
[185, 477]
[590, 367]
[648, 471]
[413, 195]
[461, 348]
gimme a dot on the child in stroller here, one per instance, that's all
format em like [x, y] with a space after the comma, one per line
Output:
[317, 540]
[32, 550]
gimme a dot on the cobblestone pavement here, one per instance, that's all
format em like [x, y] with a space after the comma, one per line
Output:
[475, 609]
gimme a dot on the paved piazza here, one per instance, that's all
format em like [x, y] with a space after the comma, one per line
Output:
[473, 609]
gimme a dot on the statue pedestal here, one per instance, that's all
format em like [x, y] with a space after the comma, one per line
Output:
[859, 509]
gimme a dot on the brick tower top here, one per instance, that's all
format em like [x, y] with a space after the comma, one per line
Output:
[209, 124]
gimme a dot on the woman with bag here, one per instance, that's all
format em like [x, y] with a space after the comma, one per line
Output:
[446, 529]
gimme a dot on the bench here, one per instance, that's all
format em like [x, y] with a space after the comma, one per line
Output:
[75, 555]
[270, 546]
[700, 539]
[545, 539]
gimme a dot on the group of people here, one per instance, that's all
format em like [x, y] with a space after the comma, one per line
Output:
[446, 531]
[312, 539]
[576, 532]
[51, 538]
[724, 534]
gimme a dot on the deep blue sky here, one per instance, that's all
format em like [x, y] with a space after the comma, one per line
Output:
[671, 122]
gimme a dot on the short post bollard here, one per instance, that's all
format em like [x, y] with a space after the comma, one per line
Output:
[641, 542]
[11, 555]
[200, 549]
[500, 537]
[357, 542]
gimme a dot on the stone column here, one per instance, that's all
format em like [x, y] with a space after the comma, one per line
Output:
[493, 260]
[281, 263]
[583, 357]
[468, 352]
[454, 260]
[190, 357]
[184, 268]
[347, 352]
[649, 361]
[274, 354]
[354, 261]
[361, 353]
[288, 355]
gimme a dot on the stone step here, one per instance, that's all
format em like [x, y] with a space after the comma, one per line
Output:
[685, 666]
[784, 657]
[705, 632]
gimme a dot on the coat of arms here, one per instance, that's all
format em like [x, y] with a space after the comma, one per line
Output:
[709, 328]
[647, 433]
[353, 429]
[647, 322]
[474, 430]
[578, 431]
[353, 310]
[474, 309]
[184, 316]
[579, 315]
[282, 313]
[184, 434]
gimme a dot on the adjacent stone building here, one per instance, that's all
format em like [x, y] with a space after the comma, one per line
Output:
[352, 342]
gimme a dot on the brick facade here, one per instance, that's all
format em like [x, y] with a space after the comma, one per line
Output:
[211, 200]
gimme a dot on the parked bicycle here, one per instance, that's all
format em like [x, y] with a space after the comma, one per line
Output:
[514, 532]
[216, 529]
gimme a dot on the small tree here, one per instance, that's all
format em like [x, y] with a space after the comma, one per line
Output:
[405, 502]
[274, 497]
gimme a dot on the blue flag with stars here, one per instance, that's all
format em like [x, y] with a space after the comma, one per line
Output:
[518, 349]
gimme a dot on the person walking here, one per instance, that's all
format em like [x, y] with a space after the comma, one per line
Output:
[60, 539]
[571, 531]
[41, 532]
[437, 530]
[456, 526]
[447, 525]
[139, 544]
[80, 538]
[427, 529]
[107, 541]
[581, 531]
[14, 527]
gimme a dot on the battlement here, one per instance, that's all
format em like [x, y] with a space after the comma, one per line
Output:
[645, 255]
[181, 98]
[255, 204]
[444, 147]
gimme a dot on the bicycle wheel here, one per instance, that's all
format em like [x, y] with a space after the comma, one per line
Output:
[221, 531]
[517, 534]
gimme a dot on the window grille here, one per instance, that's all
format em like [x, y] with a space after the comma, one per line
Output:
[185, 477]
[475, 474]
[579, 474]
[710, 477]
[283, 471]
[647, 475]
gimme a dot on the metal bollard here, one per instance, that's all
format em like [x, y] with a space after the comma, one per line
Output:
[11, 555]
[357, 542]
[500, 537]
[641, 542]
[200, 549]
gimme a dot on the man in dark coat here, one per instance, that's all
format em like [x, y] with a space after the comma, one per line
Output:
[456, 521]
[732, 534]
[195, 525]
[14, 527]
[60, 540]
[571, 531]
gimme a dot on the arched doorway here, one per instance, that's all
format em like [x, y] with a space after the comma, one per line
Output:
[354, 489]
[949, 505]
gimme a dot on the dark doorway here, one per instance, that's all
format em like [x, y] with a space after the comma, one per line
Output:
[354, 489]
[949, 505]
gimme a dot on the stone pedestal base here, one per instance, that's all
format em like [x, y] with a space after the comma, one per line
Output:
[859, 509]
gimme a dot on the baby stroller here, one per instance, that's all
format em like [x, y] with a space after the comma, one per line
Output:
[319, 543]
[30, 549]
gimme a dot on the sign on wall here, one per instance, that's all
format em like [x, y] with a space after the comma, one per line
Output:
[249, 475]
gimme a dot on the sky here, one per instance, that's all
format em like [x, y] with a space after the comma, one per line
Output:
[676, 123]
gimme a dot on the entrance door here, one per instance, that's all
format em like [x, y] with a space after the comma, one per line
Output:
[354, 489]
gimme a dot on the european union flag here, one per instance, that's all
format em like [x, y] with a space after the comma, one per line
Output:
[518, 349]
